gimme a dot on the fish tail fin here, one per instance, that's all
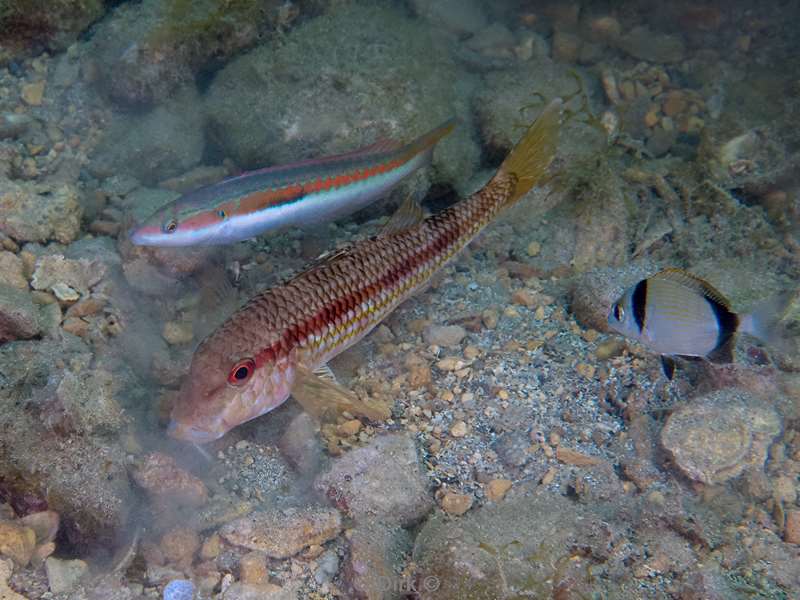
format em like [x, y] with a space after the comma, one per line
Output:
[766, 322]
[529, 159]
[426, 142]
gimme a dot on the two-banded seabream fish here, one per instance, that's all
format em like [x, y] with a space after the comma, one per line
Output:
[675, 313]
[281, 340]
[303, 193]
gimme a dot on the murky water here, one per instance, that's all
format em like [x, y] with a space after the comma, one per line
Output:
[525, 448]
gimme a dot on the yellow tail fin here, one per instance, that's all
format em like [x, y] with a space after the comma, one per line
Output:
[530, 158]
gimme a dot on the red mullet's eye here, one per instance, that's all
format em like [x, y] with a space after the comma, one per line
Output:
[241, 371]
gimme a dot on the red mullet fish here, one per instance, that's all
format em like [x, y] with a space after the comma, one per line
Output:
[280, 341]
[310, 191]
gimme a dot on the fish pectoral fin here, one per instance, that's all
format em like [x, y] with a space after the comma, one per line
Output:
[408, 215]
[325, 399]
[668, 366]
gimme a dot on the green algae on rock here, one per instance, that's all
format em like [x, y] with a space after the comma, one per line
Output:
[147, 50]
[52, 23]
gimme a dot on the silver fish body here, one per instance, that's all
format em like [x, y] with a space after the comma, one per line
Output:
[675, 313]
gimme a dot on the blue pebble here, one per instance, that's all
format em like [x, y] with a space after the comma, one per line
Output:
[179, 589]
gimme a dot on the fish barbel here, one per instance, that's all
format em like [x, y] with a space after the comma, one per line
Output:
[310, 191]
[272, 346]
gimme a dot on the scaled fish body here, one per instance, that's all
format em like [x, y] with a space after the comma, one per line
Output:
[311, 191]
[675, 313]
[270, 347]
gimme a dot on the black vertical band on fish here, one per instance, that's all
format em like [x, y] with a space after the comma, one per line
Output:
[640, 304]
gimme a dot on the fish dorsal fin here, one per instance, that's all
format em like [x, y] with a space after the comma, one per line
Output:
[693, 282]
[383, 144]
[408, 215]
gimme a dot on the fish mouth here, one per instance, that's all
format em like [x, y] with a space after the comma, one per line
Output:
[191, 433]
[146, 236]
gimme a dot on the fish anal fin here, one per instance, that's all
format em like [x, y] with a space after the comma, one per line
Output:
[408, 215]
[693, 282]
[325, 399]
[668, 366]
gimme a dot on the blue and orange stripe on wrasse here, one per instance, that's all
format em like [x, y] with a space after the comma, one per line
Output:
[310, 191]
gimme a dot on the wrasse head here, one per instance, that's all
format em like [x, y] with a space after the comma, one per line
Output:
[222, 391]
[181, 223]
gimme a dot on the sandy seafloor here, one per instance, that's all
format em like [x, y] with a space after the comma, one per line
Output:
[531, 453]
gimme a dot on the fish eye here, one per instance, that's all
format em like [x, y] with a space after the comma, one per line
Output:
[619, 312]
[221, 214]
[170, 226]
[241, 372]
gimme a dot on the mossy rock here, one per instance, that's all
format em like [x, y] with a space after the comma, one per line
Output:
[54, 24]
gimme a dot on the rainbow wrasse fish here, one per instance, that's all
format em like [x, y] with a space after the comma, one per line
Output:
[311, 191]
[278, 344]
[677, 314]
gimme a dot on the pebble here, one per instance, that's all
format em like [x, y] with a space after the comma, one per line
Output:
[496, 489]
[33, 93]
[450, 363]
[456, 504]
[585, 370]
[6, 593]
[162, 478]
[44, 524]
[177, 333]
[253, 568]
[489, 317]
[179, 546]
[349, 428]
[716, 437]
[251, 591]
[524, 297]
[791, 532]
[76, 326]
[459, 429]
[573, 457]
[282, 534]
[86, 307]
[65, 293]
[566, 47]
[179, 589]
[63, 575]
[609, 349]
[534, 248]
[13, 125]
[211, 547]
[444, 335]
[12, 270]
[17, 542]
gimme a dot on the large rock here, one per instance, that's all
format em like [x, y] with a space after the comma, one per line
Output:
[325, 91]
[37, 213]
[148, 49]
[44, 463]
[45, 22]
[518, 548]
[377, 554]
[718, 436]
[19, 317]
[162, 143]
[508, 103]
[382, 482]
